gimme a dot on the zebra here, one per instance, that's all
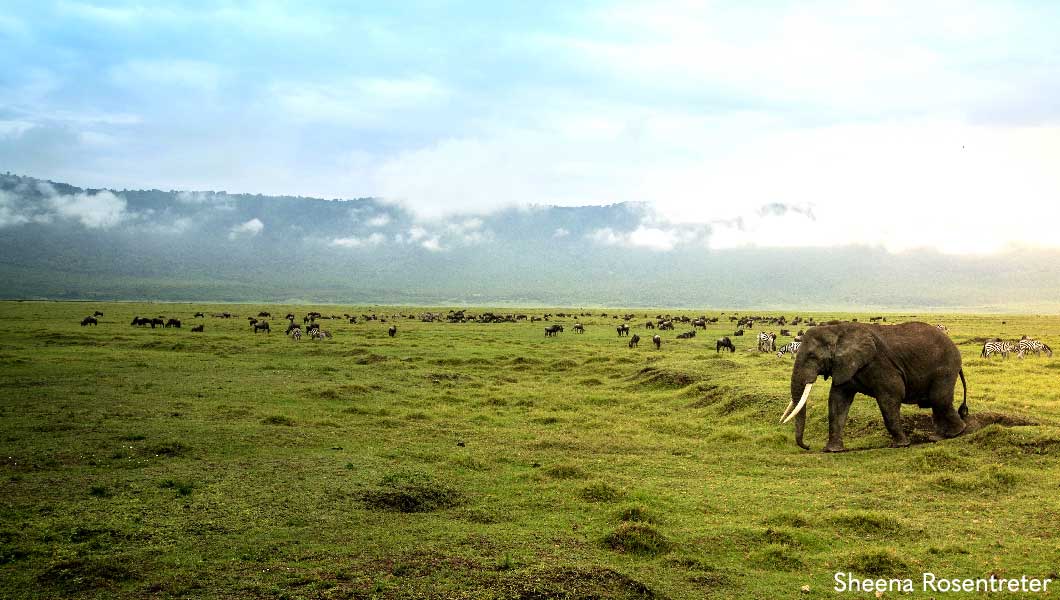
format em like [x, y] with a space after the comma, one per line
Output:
[792, 347]
[767, 342]
[319, 334]
[1027, 345]
[296, 335]
[997, 347]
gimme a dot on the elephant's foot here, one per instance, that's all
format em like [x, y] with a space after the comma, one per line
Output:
[834, 448]
[900, 443]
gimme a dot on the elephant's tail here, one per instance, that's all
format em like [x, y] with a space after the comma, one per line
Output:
[963, 410]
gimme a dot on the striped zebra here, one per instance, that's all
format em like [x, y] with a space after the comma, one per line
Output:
[296, 335]
[997, 347]
[767, 342]
[320, 334]
[1026, 345]
[792, 347]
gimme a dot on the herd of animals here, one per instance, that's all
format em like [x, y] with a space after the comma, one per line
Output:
[766, 341]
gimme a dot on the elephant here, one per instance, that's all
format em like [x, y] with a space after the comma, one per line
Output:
[911, 363]
[724, 342]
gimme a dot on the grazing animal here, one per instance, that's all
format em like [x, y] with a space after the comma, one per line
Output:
[633, 341]
[724, 342]
[912, 363]
[89, 321]
[197, 329]
[737, 333]
[264, 314]
[312, 326]
[172, 323]
[997, 347]
[700, 323]
[291, 327]
[98, 313]
[622, 330]
[649, 325]
[392, 331]
[297, 335]
[686, 335]
[657, 340]
[251, 320]
[767, 342]
[320, 334]
[1028, 345]
[261, 326]
[578, 328]
[353, 320]
[792, 347]
[160, 323]
[552, 330]
[140, 321]
[199, 314]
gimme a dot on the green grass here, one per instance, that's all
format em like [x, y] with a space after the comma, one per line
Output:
[487, 461]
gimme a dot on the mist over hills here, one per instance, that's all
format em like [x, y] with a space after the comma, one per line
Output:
[58, 241]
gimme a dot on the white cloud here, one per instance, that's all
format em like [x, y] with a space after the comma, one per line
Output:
[656, 238]
[560, 232]
[99, 210]
[374, 239]
[380, 220]
[9, 211]
[250, 228]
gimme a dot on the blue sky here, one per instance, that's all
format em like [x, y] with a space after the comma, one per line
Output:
[900, 124]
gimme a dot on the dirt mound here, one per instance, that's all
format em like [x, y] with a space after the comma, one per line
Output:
[665, 378]
[409, 492]
[571, 583]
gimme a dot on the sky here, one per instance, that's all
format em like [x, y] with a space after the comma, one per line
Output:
[902, 125]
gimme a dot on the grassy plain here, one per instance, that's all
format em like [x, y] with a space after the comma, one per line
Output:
[487, 461]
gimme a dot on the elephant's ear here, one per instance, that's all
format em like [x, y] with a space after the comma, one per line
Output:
[854, 349]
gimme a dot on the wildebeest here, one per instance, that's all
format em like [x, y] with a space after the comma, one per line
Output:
[157, 322]
[353, 320]
[622, 329]
[633, 341]
[686, 335]
[261, 326]
[89, 321]
[738, 332]
[785, 333]
[649, 325]
[579, 328]
[197, 329]
[312, 326]
[392, 331]
[251, 320]
[552, 330]
[140, 321]
[98, 313]
[291, 327]
[199, 314]
[657, 341]
[172, 323]
[701, 323]
[724, 342]
[265, 314]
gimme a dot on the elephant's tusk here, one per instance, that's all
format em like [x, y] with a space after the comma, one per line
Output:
[801, 404]
[787, 410]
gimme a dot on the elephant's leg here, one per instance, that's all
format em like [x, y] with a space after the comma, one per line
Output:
[839, 402]
[947, 422]
[890, 408]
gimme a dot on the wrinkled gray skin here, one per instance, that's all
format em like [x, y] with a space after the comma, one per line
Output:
[911, 363]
